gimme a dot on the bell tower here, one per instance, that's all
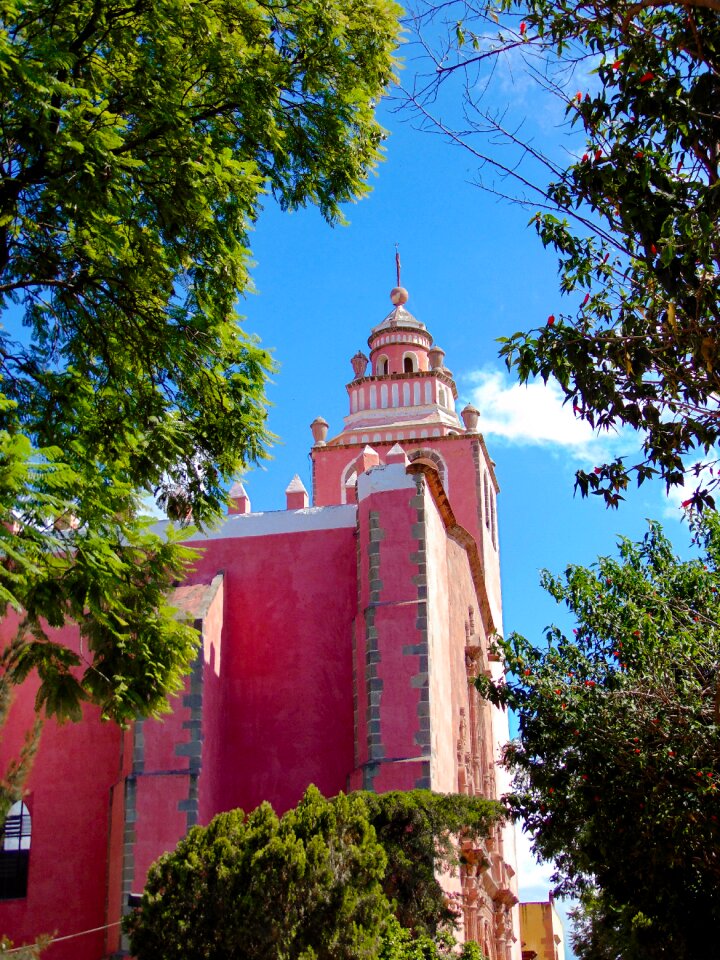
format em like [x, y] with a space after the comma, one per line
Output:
[404, 394]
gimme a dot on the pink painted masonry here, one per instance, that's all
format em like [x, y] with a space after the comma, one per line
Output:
[339, 640]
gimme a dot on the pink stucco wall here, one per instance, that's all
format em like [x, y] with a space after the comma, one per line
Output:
[286, 668]
[68, 795]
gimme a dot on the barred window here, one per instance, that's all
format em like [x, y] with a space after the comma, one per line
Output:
[15, 853]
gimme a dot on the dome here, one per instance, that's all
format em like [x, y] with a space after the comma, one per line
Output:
[398, 317]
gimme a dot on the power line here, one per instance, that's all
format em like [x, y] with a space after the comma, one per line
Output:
[69, 936]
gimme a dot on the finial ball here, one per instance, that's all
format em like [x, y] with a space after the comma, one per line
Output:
[399, 295]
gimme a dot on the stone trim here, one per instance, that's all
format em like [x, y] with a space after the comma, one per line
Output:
[420, 649]
[373, 682]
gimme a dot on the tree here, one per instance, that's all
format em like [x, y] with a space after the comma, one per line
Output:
[419, 832]
[330, 879]
[304, 886]
[617, 759]
[634, 218]
[398, 943]
[137, 143]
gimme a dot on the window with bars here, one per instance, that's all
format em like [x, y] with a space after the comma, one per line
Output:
[15, 853]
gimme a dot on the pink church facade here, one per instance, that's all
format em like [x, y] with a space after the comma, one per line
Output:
[338, 645]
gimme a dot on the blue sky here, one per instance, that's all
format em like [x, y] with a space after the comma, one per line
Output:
[475, 271]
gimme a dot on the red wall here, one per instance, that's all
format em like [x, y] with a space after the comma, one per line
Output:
[286, 668]
[69, 795]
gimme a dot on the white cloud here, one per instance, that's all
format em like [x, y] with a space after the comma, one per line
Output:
[535, 415]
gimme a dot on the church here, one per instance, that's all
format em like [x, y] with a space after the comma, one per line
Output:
[339, 638]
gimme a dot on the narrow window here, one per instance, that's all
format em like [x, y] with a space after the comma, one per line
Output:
[487, 502]
[15, 853]
[382, 366]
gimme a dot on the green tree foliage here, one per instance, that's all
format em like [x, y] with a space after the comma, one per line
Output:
[398, 943]
[419, 832]
[323, 882]
[136, 145]
[304, 886]
[617, 761]
[634, 218]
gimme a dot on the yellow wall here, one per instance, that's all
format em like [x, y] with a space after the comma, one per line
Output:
[541, 932]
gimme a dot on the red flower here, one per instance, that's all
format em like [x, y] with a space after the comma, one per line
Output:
[578, 96]
[527, 673]
[585, 158]
[639, 155]
[646, 77]
[616, 65]
[523, 28]
[598, 154]
[653, 249]
[587, 297]
[551, 319]
[598, 469]
[671, 753]
[686, 503]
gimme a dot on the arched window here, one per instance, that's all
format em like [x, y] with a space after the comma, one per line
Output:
[381, 367]
[15, 853]
[410, 363]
